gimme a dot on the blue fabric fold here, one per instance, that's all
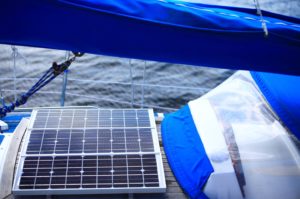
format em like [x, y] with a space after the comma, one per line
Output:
[189, 15]
[1, 138]
[283, 94]
[159, 30]
[185, 152]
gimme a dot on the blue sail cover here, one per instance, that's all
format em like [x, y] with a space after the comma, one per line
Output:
[161, 30]
[283, 93]
[185, 152]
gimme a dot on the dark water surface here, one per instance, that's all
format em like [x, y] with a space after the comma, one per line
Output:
[106, 81]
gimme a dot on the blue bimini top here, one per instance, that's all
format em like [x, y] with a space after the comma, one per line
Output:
[161, 30]
[185, 152]
[283, 94]
[1, 138]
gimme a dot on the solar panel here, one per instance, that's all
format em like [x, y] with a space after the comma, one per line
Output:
[90, 151]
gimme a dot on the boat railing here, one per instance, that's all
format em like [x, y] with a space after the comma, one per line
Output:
[14, 91]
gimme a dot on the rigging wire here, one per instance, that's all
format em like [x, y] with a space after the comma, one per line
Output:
[65, 82]
[132, 86]
[101, 99]
[2, 97]
[49, 75]
[14, 55]
[143, 85]
[200, 89]
[263, 22]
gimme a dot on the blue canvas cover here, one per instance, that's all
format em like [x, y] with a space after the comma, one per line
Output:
[161, 30]
[185, 152]
[13, 121]
[1, 138]
[283, 94]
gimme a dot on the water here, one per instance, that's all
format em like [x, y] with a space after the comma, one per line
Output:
[92, 79]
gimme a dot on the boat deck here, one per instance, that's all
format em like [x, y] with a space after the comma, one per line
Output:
[173, 189]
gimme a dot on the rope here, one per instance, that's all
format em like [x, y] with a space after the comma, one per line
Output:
[49, 75]
[259, 12]
[14, 55]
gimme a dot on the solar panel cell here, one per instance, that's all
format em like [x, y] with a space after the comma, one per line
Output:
[89, 148]
[42, 182]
